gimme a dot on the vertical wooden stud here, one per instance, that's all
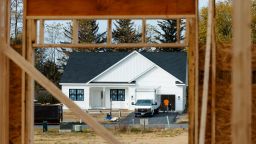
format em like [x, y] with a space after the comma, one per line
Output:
[191, 65]
[41, 34]
[109, 38]
[4, 75]
[196, 99]
[29, 88]
[143, 32]
[206, 74]
[23, 84]
[213, 78]
[75, 32]
[178, 30]
[241, 73]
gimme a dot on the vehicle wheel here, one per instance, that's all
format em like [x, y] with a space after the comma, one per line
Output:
[157, 111]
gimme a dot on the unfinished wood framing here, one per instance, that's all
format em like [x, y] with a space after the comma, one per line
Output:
[191, 65]
[79, 9]
[213, 78]
[109, 44]
[241, 76]
[109, 7]
[4, 75]
[75, 38]
[109, 38]
[203, 118]
[41, 34]
[49, 86]
[178, 30]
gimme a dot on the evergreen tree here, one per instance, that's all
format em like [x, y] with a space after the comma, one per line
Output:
[125, 33]
[168, 33]
[87, 33]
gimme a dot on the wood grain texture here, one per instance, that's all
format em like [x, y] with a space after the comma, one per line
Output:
[203, 119]
[109, 7]
[191, 65]
[241, 73]
[15, 108]
[213, 78]
[4, 75]
[55, 91]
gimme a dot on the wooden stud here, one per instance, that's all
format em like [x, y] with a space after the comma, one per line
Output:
[29, 88]
[191, 76]
[23, 84]
[126, 45]
[213, 78]
[196, 99]
[109, 38]
[206, 75]
[143, 32]
[41, 34]
[55, 91]
[75, 31]
[178, 30]
[241, 73]
[138, 17]
[4, 75]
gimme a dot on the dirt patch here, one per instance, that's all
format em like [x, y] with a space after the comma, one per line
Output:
[182, 119]
[127, 136]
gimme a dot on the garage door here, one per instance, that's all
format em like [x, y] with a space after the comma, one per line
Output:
[145, 94]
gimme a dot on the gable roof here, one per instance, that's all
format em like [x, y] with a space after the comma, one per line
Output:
[84, 66]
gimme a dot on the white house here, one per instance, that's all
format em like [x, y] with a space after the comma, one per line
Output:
[92, 79]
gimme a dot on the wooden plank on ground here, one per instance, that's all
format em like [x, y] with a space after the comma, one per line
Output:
[109, 7]
[241, 73]
[55, 91]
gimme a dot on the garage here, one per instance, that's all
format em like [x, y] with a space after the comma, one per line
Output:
[171, 99]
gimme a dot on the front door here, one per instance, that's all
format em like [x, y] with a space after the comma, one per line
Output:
[97, 98]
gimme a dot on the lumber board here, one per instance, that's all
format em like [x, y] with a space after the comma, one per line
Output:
[213, 79]
[55, 91]
[191, 65]
[203, 119]
[29, 85]
[109, 7]
[122, 45]
[241, 73]
[196, 105]
[4, 75]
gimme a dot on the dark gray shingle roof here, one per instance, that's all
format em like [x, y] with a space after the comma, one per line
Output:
[82, 67]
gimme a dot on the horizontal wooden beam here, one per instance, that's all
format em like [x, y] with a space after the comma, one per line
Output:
[102, 17]
[119, 46]
[56, 92]
[109, 7]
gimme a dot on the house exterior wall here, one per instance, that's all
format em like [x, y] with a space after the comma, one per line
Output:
[126, 70]
[82, 104]
[166, 84]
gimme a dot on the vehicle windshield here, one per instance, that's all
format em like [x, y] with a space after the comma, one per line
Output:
[144, 102]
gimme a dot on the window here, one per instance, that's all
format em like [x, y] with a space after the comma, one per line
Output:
[117, 94]
[76, 94]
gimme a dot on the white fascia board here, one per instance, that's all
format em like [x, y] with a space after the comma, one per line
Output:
[108, 84]
[180, 84]
[146, 71]
[160, 67]
[112, 66]
[73, 84]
